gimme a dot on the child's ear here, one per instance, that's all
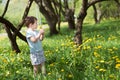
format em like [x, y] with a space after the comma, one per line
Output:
[30, 24]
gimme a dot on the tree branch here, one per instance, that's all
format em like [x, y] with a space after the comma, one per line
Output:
[5, 9]
[90, 3]
[11, 26]
[25, 14]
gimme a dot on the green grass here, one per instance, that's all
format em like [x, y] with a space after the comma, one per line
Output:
[99, 58]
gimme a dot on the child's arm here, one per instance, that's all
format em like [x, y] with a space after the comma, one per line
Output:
[34, 39]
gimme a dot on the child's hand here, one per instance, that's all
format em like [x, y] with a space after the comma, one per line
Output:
[41, 31]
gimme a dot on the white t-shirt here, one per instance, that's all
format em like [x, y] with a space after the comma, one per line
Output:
[35, 47]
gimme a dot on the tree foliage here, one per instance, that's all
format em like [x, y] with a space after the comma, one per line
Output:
[52, 11]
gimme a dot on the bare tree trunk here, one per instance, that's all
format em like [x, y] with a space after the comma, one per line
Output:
[98, 13]
[12, 40]
[45, 7]
[6, 7]
[80, 19]
[10, 27]
[95, 14]
[69, 16]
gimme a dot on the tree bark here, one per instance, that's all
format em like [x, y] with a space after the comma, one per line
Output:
[45, 7]
[95, 14]
[12, 40]
[69, 15]
[6, 7]
[80, 19]
[9, 26]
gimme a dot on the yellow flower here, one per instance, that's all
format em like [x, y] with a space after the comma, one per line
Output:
[117, 66]
[99, 47]
[70, 76]
[62, 70]
[66, 62]
[56, 50]
[112, 77]
[114, 57]
[52, 64]
[84, 47]
[88, 47]
[117, 60]
[13, 59]
[49, 73]
[115, 48]
[109, 38]
[62, 44]
[5, 60]
[110, 50]
[59, 79]
[7, 73]
[96, 54]
[17, 71]
[98, 35]
[102, 70]
[102, 61]
[97, 67]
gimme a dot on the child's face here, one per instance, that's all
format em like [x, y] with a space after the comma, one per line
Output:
[34, 26]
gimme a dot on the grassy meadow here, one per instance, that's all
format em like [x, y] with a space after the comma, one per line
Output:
[99, 58]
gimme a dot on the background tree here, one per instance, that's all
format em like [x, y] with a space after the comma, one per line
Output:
[106, 10]
[69, 12]
[47, 8]
[10, 28]
[81, 16]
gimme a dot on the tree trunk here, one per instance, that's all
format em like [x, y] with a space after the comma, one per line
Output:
[48, 12]
[52, 25]
[12, 40]
[79, 24]
[10, 27]
[95, 14]
[69, 15]
[81, 17]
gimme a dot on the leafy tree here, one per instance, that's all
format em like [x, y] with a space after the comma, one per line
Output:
[11, 30]
[106, 10]
[51, 9]
[47, 8]
[81, 16]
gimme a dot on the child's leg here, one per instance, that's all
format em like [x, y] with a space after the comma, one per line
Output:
[43, 70]
[35, 69]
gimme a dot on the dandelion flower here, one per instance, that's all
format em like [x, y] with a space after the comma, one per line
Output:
[102, 61]
[117, 66]
[5, 61]
[97, 67]
[52, 64]
[96, 54]
[112, 77]
[17, 71]
[62, 70]
[59, 79]
[70, 76]
[49, 73]
[102, 70]
[99, 47]
[117, 60]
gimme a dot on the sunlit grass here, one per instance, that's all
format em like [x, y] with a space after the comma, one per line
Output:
[99, 58]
